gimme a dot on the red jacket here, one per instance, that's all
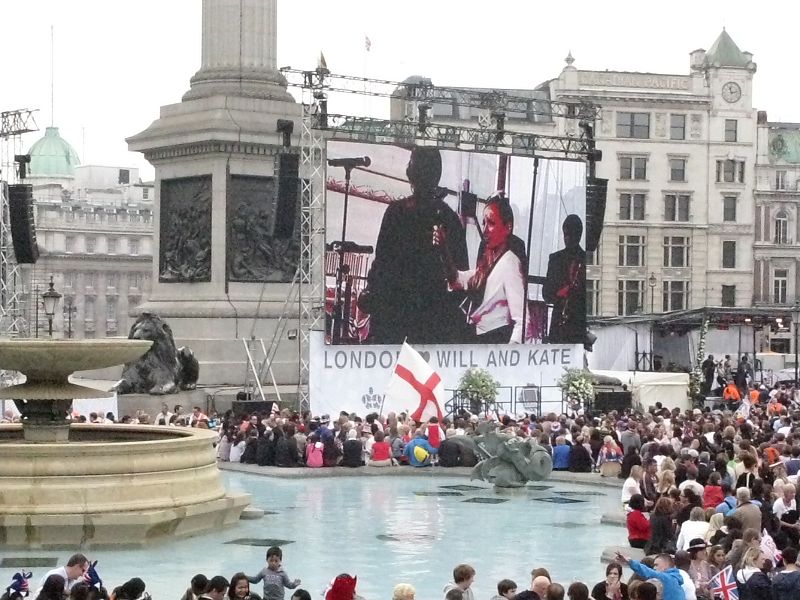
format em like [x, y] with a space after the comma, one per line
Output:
[638, 526]
[712, 496]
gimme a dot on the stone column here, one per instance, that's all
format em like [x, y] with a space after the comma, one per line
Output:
[239, 54]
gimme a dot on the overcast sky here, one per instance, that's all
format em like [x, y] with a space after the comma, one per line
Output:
[117, 61]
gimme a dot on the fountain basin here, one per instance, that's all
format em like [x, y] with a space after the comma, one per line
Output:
[111, 485]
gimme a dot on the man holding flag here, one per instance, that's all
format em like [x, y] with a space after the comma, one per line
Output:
[415, 383]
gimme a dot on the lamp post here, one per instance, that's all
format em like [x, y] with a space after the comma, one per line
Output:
[651, 281]
[36, 304]
[50, 299]
[70, 308]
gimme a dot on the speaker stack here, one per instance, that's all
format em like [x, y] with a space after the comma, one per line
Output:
[23, 227]
[287, 195]
[596, 192]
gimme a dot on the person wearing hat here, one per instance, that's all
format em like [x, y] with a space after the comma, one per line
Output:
[700, 570]
[343, 587]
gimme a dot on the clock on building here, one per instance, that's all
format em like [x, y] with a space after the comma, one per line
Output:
[731, 92]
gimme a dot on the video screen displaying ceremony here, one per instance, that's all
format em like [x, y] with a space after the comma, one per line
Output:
[435, 246]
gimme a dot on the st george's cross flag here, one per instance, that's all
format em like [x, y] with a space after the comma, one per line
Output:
[415, 386]
[723, 585]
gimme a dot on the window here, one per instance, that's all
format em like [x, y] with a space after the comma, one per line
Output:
[69, 243]
[677, 127]
[90, 279]
[780, 180]
[134, 281]
[676, 251]
[69, 215]
[49, 240]
[112, 280]
[633, 167]
[781, 228]
[728, 295]
[731, 127]
[592, 297]
[89, 308]
[91, 217]
[133, 246]
[111, 309]
[135, 217]
[91, 242]
[112, 245]
[631, 207]
[124, 176]
[112, 217]
[730, 171]
[676, 207]
[69, 280]
[677, 169]
[145, 193]
[631, 250]
[780, 280]
[630, 294]
[729, 209]
[676, 295]
[633, 125]
[728, 254]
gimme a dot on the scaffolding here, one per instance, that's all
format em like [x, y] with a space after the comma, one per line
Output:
[495, 109]
[13, 124]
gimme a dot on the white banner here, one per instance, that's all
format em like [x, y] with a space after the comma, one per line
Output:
[354, 378]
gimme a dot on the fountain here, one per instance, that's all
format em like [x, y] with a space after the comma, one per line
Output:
[68, 485]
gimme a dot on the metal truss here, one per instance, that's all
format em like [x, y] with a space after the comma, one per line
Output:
[311, 297]
[13, 124]
[424, 91]
[484, 139]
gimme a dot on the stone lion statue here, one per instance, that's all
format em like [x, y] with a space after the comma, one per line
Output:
[163, 369]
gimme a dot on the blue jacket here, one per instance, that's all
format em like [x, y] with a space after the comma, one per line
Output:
[671, 579]
[726, 505]
[409, 452]
[561, 457]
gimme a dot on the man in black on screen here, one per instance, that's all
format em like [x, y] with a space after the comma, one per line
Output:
[407, 295]
[565, 287]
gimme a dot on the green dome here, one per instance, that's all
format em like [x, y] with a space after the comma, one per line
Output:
[52, 156]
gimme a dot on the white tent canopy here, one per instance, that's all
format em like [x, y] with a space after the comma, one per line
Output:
[649, 387]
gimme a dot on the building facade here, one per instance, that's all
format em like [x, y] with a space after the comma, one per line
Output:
[679, 154]
[94, 227]
[776, 266]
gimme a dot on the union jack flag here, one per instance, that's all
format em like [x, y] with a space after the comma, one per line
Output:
[723, 585]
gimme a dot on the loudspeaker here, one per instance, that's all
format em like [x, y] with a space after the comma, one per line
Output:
[287, 195]
[607, 401]
[596, 192]
[250, 407]
[23, 228]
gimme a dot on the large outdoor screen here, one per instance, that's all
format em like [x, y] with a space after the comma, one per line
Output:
[435, 246]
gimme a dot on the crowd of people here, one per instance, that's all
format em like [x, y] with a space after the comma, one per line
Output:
[79, 580]
[709, 495]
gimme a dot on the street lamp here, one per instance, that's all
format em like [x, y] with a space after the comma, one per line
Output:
[651, 281]
[50, 299]
[795, 324]
[70, 309]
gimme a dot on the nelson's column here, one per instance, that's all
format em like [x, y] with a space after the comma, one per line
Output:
[222, 262]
